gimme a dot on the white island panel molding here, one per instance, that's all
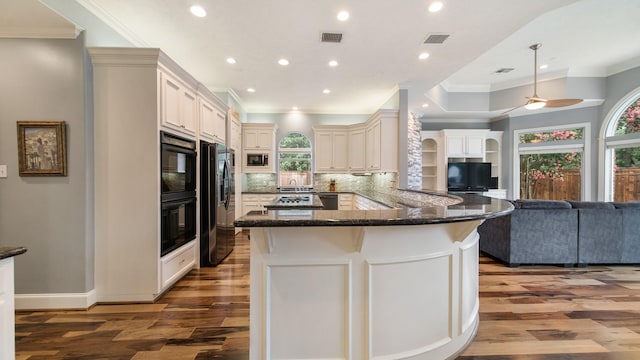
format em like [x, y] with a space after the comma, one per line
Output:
[363, 292]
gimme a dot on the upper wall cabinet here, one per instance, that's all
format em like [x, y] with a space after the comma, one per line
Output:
[357, 156]
[382, 142]
[465, 143]
[331, 149]
[178, 105]
[258, 137]
[212, 116]
[367, 147]
[258, 141]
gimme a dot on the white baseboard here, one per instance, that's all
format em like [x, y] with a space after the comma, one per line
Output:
[80, 301]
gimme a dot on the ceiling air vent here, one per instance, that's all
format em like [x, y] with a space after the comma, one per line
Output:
[436, 38]
[504, 70]
[331, 37]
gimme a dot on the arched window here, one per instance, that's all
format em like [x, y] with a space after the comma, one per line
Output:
[622, 150]
[294, 161]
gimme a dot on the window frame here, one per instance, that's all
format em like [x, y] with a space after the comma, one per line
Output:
[548, 147]
[608, 142]
[281, 150]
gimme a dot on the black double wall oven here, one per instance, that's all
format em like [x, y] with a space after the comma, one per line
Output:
[178, 197]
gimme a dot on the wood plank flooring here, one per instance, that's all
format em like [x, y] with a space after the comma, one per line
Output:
[527, 313]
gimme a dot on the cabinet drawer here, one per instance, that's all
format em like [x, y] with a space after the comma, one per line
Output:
[177, 263]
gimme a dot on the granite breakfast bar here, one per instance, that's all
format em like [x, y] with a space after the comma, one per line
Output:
[395, 283]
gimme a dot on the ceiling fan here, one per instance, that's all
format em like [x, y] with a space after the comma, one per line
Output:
[535, 102]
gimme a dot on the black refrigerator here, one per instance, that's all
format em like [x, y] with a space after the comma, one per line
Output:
[217, 203]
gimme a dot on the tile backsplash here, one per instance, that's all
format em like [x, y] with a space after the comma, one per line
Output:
[381, 182]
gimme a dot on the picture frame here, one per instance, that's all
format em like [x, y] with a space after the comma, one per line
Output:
[42, 148]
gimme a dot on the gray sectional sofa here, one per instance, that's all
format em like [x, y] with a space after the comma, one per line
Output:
[565, 233]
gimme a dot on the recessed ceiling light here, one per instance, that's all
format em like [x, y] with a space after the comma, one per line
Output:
[425, 105]
[326, 91]
[231, 60]
[544, 66]
[198, 11]
[423, 56]
[333, 63]
[343, 15]
[294, 108]
[251, 90]
[283, 62]
[435, 6]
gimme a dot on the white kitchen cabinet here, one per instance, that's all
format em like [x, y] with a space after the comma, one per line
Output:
[256, 201]
[258, 137]
[213, 121]
[331, 149]
[464, 143]
[345, 201]
[143, 91]
[381, 142]
[178, 105]
[236, 135]
[357, 161]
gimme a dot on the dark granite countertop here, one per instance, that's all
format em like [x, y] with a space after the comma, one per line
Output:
[409, 208]
[7, 252]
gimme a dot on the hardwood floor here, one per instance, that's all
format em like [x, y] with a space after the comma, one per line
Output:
[527, 313]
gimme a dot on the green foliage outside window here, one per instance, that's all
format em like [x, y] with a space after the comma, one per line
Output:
[628, 123]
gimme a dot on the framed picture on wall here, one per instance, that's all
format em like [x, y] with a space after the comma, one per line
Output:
[42, 148]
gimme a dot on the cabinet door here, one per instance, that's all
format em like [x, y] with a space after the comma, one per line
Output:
[250, 139]
[188, 110]
[236, 136]
[207, 119]
[323, 151]
[373, 147]
[264, 139]
[455, 146]
[340, 151]
[171, 97]
[357, 150]
[220, 125]
[475, 146]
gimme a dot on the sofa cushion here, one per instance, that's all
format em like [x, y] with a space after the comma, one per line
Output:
[542, 204]
[627, 205]
[591, 205]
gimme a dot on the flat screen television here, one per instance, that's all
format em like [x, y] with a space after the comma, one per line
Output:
[468, 176]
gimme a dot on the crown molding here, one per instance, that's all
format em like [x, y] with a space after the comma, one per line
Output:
[112, 22]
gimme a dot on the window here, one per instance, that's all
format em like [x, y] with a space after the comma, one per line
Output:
[552, 163]
[294, 161]
[622, 151]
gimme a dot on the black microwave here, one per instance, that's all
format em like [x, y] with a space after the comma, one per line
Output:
[257, 159]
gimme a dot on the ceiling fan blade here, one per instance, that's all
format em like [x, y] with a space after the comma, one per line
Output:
[510, 110]
[562, 102]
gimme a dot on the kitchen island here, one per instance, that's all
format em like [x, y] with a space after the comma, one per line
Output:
[394, 283]
[7, 304]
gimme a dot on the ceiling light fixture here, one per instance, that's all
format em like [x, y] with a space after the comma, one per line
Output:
[198, 11]
[543, 66]
[435, 6]
[251, 90]
[534, 104]
[333, 63]
[231, 60]
[425, 105]
[283, 62]
[423, 56]
[295, 108]
[326, 91]
[343, 15]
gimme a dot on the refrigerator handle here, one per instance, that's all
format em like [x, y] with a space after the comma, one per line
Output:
[227, 188]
